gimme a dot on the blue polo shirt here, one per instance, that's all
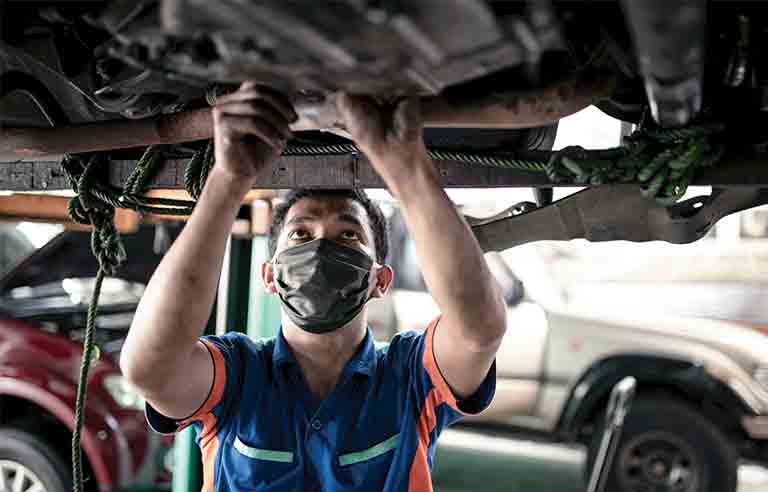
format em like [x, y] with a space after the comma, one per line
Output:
[260, 428]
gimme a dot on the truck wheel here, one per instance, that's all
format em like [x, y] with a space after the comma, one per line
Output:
[667, 446]
[28, 464]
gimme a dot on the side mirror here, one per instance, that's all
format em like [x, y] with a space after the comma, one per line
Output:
[511, 287]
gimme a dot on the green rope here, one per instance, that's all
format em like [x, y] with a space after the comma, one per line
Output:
[434, 153]
[85, 363]
[663, 161]
[197, 170]
[95, 204]
[87, 208]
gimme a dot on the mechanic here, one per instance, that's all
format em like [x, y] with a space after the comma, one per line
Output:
[319, 407]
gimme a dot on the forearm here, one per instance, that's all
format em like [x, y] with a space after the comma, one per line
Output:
[178, 299]
[451, 259]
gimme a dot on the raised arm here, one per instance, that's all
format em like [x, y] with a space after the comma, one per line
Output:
[474, 315]
[162, 356]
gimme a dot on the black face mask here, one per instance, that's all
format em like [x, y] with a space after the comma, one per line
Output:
[322, 284]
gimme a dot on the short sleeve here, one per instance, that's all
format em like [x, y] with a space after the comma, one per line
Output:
[227, 355]
[427, 384]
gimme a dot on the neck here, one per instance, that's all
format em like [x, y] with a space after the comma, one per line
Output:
[322, 357]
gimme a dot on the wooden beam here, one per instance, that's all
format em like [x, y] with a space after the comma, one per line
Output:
[54, 209]
[34, 207]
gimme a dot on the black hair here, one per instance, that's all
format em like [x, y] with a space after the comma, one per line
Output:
[375, 216]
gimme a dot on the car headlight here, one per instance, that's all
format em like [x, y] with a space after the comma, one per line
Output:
[123, 393]
[761, 376]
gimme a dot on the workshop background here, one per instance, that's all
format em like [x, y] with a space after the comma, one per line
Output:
[722, 277]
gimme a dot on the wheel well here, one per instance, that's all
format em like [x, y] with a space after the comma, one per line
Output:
[24, 415]
[714, 409]
[678, 379]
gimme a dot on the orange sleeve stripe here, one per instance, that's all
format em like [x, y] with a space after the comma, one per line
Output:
[209, 440]
[217, 391]
[209, 447]
[430, 365]
[419, 478]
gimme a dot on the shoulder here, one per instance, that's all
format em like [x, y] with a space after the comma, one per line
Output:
[401, 350]
[404, 340]
[236, 347]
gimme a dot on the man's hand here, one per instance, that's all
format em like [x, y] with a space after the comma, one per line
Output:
[389, 134]
[251, 128]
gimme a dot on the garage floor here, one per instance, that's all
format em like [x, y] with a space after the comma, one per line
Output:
[466, 463]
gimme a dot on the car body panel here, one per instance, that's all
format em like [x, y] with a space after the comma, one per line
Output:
[42, 368]
[40, 364]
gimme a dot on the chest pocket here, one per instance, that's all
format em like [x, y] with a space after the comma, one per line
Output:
[371, 453]
[368, 468]
[263, 454]
[259, 467]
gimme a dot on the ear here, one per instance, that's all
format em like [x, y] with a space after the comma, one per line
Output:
[268, 277]
[384, 276]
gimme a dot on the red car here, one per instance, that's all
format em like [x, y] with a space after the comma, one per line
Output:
[42, 316]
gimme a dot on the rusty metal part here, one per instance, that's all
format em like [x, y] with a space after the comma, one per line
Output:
[537, 108]
[525, 110]
[32, 143]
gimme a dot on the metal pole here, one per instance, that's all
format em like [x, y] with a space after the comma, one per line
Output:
[186, 462]
[264, 308]
[238, 284]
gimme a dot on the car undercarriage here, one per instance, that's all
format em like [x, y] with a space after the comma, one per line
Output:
[494, 79]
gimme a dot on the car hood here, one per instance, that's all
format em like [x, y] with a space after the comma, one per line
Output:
[69, 255]
[747, 345]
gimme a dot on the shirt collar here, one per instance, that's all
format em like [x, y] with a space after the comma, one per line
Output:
[362, 362]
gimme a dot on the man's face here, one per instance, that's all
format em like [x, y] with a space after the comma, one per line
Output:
[338, 219]
[342, 220]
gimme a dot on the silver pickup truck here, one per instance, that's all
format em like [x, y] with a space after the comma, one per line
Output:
[702, 402]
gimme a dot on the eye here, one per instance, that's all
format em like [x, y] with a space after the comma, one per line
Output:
[350, 236]
[299, 235]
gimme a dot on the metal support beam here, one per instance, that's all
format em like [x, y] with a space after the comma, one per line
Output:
[238, 284]
[531, 109]
[611, 213]
[737, 168]
[263, 308]
[186, 462]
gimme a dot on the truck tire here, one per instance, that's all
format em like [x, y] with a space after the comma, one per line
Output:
[25, 454]
[665, 442]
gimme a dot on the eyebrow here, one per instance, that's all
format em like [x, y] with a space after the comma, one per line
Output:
[342, 217]
[301, 219]
[351, 219]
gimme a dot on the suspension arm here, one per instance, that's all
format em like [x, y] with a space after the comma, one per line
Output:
[609, 213]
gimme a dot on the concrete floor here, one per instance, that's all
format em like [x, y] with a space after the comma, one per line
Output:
[466, 462]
